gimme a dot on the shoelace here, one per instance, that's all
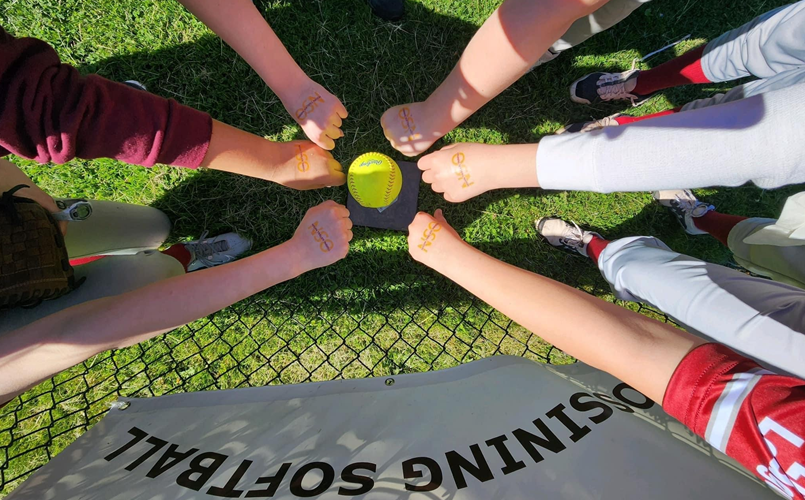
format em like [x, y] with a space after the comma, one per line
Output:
[691, 206]
[203, 250]
[575, 239]
[609, 90]
[684, 204]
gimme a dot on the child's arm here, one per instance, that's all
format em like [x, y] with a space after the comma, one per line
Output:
[638, 350]
[39, 350]
[740, 408]
[240, 24]
[53, 114]
[757, 146]
[507, 45]
[296, 164]
[464, 170]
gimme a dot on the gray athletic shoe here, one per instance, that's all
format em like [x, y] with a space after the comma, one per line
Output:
[567, 236]
[608, 121]
[685, 207]
[211, 252]
[135, 85]
[604, 87]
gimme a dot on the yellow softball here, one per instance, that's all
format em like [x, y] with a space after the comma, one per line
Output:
[374, 180]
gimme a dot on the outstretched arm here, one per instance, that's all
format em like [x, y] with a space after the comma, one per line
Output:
[507, 45]
[696, 382]
[43, 348]
[240, 24]
[638, 350]
[296, 164]
[54, 114]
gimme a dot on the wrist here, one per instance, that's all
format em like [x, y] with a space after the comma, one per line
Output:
[449, 252]
[291, 257]
[443, 115]
[288, 87]
[523, 171]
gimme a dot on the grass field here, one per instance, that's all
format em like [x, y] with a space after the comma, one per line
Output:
[375, 313]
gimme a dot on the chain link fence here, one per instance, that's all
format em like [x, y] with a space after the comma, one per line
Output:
[295, 332]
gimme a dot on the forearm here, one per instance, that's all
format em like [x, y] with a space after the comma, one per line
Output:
[507, 45]
[638, 350]
[240, 24]
[725, 145]
[59, 341]
[239, 152]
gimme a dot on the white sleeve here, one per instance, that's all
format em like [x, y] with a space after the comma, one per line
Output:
[759, 139]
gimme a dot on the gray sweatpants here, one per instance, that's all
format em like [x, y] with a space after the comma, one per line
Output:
[128, 235]
[760, 318]
[783, 264]
[771, 48]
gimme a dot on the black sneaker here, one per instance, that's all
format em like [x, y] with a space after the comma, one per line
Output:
[604, 87]
[390, 10]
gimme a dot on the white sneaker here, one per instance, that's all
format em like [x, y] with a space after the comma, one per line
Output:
[211, 252]
[685, 207]
[565, 235]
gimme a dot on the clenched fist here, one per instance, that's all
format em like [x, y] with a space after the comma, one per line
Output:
[306, 166]
[323, 236]
[430, 238]
[318, 112]
[409, 128]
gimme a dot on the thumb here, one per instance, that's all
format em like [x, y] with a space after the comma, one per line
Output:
[439, 216]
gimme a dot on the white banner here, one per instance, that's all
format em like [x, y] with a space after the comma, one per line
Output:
[499, 428]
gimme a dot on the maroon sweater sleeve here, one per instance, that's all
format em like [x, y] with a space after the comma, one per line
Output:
[50, 113]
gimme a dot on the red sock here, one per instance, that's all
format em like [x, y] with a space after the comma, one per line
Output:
[180, 253]
[85, 260]
[718, 225]
[595, 247]
[624, 120]
[681, 70]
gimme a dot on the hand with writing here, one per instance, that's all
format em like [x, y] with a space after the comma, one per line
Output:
[318, 112]
[430, 238]
[323, 236]
[464, 170]
[409, 128]
[302, 165]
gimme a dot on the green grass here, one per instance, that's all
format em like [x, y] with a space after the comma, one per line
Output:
[375, 313]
